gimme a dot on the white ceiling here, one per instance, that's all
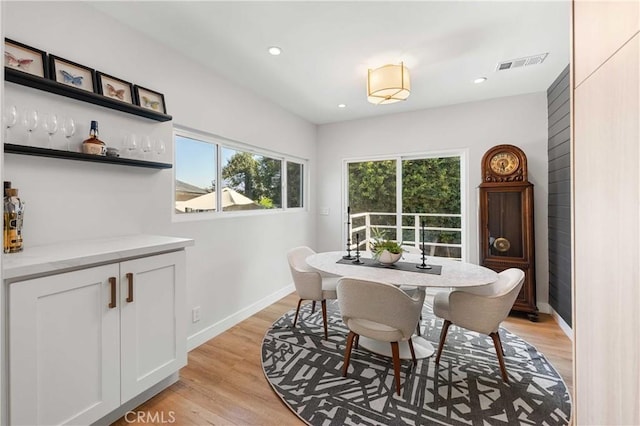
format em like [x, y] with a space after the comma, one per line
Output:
[329, 45]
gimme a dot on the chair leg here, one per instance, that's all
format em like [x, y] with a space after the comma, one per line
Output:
[347, 352]
[295, 320]
[418, 331]
[357, 341]
[413, 352]
[498, 345]
[324, 319]
[313, 307]
[395, 350]
[443, 337]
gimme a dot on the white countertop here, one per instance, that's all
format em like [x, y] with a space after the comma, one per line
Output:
[69, 255]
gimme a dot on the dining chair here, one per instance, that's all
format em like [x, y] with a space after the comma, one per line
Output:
[480, 309]
[412, 290]
[310, 283]
[378, 311]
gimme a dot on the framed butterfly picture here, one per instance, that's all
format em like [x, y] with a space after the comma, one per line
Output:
[114, 88]
[149, 99]
[72, 74]
[19, 56]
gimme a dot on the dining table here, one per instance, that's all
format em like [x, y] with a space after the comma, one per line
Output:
[441, 273]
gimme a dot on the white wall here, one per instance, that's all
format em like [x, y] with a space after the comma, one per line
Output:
[236, 262]
[474, 127]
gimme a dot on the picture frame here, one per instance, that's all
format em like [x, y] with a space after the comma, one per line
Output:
[114, 88]
[72, 74]
[21, 57]
[150, 99]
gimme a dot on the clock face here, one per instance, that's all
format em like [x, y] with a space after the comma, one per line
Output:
[504, 163]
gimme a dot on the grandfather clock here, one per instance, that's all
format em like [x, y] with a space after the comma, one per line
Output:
[506, 220]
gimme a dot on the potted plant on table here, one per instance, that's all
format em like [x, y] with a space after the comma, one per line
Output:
[385, 251]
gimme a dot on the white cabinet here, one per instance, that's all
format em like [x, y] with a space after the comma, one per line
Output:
[82, 343]
[153, 321]
[64, 350]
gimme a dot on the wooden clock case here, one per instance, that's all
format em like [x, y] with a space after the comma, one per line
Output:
[506, 220]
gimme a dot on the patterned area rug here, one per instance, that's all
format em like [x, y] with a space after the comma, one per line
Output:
[465, 389]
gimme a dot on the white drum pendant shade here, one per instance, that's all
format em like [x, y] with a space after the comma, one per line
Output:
[388, 84]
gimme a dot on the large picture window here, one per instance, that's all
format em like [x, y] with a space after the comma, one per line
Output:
[212, 175]
[395, 197]
[252, 181]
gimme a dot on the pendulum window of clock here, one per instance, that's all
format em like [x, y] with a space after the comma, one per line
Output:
[505, 224]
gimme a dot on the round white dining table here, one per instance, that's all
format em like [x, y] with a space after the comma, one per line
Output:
[454, 274]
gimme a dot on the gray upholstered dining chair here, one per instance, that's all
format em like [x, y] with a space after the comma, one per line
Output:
[379, 311]
[310, 283]
[480, 309]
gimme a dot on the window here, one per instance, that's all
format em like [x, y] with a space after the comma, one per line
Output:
[196, 174]
[251, 181]
[295, 184]
[211, 172]
[396, 197]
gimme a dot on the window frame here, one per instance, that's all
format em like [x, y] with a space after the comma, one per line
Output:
[462, 154]
[219, 142]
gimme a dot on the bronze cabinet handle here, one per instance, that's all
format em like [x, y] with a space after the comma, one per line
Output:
[130, 280]
[112, 281]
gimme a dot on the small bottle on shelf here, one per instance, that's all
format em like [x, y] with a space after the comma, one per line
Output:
[93, 145]
[13, 216]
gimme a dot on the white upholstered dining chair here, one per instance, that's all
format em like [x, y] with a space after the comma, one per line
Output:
[311, 284]
[412, 290]
[379, 311]
[480, 309]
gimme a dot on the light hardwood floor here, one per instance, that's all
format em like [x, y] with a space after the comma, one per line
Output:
[224, 383]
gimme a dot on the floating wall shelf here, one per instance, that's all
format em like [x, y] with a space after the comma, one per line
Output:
[51, 86]
[55, 153]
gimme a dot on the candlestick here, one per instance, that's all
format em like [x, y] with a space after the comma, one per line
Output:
[357, 261]
[348, 255]
[423, 265]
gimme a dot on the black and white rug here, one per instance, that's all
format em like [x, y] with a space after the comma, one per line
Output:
[465, 389]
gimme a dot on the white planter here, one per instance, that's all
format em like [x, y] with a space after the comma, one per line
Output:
[388, 258]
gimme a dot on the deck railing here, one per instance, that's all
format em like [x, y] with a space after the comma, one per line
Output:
[435, 244]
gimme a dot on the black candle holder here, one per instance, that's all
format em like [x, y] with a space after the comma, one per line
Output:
[357, 261]
[348, 255]
[423, 265]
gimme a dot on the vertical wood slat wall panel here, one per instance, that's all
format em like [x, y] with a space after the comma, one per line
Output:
[559, 195]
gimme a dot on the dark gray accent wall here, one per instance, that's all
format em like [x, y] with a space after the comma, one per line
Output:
[559, 150]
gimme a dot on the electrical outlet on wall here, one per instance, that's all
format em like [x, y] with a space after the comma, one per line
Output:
[195, 314]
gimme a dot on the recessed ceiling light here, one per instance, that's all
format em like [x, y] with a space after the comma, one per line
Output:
[480, 80]
[275, 50]
[342, 105]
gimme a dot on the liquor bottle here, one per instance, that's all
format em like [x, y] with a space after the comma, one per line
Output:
[93, 145]
[13, 216]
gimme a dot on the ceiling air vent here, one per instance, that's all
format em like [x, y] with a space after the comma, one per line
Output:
[522, 62]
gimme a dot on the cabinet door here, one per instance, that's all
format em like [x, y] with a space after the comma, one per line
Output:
[153, 321]
[504, 224]
[64, 351]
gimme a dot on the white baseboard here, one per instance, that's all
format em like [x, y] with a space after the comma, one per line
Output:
[563, 325]
[544, 308]
[223, 325]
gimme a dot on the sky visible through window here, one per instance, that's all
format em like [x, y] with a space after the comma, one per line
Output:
[196, 161]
